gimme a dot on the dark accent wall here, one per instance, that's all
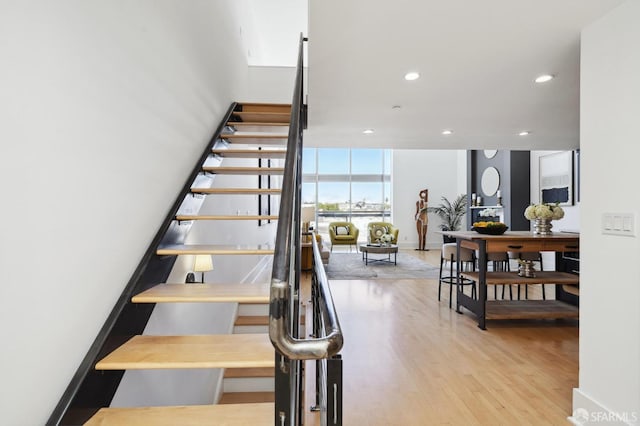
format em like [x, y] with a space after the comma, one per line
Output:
[514, 168]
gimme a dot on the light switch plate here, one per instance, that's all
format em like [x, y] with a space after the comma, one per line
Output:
[619, 224]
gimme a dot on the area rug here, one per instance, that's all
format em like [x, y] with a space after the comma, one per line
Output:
[350, 266]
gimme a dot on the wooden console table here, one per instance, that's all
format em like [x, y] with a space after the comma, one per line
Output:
[306, 256]
[306, 260]
[516, 309]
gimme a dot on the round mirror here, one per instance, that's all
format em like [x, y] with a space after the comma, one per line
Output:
[490, 153]
[490, 181]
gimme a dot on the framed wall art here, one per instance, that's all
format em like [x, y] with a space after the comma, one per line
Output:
[556, 178]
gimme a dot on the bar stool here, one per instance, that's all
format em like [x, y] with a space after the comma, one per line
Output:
[467, 258]
[500, 262]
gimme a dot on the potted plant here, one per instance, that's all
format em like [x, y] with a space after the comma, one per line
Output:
[451, 214]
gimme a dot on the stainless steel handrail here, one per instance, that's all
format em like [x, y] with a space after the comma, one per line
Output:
[288, 239]
[333, 324]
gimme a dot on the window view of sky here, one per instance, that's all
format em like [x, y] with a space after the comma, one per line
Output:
[359, 175]
[347, 184]
[333, 161]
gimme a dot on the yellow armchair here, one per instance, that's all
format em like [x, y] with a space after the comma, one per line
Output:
[377, 229]
[343, 233]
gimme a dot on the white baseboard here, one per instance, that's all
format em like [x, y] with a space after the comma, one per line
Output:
[588, 411]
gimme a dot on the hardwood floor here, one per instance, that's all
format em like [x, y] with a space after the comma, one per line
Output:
[410, 360]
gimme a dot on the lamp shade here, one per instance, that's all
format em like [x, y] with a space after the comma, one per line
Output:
[203, 263]
[307, 214]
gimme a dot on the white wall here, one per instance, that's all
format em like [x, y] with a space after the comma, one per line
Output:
[414, 170]
[463, 170]
[610, 278]
[271, 84]
[105, 107]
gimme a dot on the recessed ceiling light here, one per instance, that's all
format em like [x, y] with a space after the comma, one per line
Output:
[410, 76]
[396, 107]
[524, 133]
[447, 132]
[544, 78]
[368, 131]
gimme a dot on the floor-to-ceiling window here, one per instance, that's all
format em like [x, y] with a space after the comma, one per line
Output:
[347, 184]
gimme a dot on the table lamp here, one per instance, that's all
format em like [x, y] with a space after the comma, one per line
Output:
[203, 263]
[307, 215]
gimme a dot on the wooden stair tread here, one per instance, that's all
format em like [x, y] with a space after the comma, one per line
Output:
[194, 351]
[244, 170]
[226, 217]
[236, 190]
[250, 153]
[260, 117]
[542, 277]
[234, 373]
[256, 140]
[181, 249]
[252, 320]
[264, 106]
[247, 397]
[245, 320]
[530, 309]
[259, 126]
[258, 414]
[250, 135]
[178, 293]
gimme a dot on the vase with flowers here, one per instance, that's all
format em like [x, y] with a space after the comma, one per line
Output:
[385, 239]
[542, 215]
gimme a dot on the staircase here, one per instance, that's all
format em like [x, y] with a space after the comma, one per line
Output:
[249, 354]
[255, 131]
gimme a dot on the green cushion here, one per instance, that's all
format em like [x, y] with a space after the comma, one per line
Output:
[344, 237]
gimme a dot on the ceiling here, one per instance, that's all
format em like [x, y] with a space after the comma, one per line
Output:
[477, 61]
